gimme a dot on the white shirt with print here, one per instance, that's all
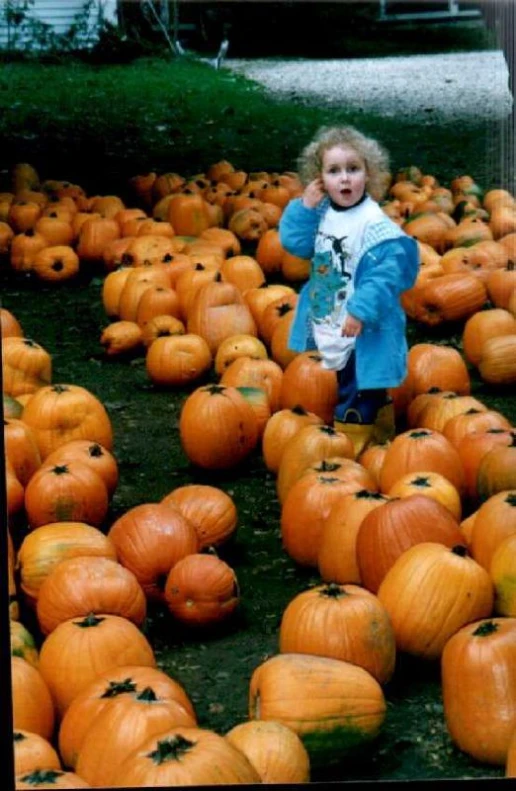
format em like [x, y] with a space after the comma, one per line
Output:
[338, 247]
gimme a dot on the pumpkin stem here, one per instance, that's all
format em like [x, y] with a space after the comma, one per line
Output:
[460, 550]
[327, 466]
[422, 481]
[299, 410]
[59, 388]
[485, 629]
[147, 694]
[40, 776]
[18, 737]
[328, 430]
[95, 450]
[60, 469]
[284, 308]
[366, 494]
[116, 688]
[170, 749]
[215, 389]
[334, 591]
[418, 433]
[511, 499]
[89, 620]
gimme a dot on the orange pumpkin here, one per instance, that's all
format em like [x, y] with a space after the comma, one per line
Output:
[83, 585]
[419, 450]
[92, 453]
[307, 505]
[201, 590]
[185, 756]
[481, 657]
[336, 560]
[26, 366]
[311, 443]
[495, 520]
[345, 622]
[123, 724]
[68, 492]
[219, 311]
[211, 511]
[275, 751]
[388, 531]
[106, 686]
[77, 650]
[43, 548]
[217, 427]
[32, 751]
[175, 360]
[430, 592]
[63, 412]
[149, 539]
[307, 383]
[33, 707]
[334, 706]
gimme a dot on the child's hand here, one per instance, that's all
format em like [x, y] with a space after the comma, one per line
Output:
[352, 327]
[314, 193]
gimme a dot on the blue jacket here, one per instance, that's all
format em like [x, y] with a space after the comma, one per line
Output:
[388, 266]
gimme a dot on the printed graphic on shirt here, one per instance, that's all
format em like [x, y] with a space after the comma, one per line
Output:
[328, 283]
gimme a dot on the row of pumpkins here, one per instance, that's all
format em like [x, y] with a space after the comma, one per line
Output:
[445, 488]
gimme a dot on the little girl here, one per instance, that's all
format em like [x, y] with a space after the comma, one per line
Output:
[349, 310]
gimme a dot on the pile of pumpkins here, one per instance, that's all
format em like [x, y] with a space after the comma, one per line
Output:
[383, 530]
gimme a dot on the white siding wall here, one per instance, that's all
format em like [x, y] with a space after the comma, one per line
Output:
[60, 15]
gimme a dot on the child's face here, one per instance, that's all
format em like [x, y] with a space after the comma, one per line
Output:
[343, 175]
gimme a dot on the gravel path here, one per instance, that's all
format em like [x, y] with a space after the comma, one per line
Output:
[457, 86]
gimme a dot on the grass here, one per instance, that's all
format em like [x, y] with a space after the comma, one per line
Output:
[99, 125]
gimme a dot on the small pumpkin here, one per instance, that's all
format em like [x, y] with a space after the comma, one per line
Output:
[201, 590]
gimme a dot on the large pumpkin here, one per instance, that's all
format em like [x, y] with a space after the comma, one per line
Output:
[218, 311]
[478, 670]
[33, 706]
[43, 548]
[63, 412]
[69, 492]
[307, 383]
[388, 531]
[82, 585]
[308, 503]
[26, 366]
[106, 686]
[77, 650]
[419, 450]
[336, 559]
[149, 539]
[123, 724]
[310, 444]
[211, 511]
[281, 427]
[186, 757]
[430, 592]
[341, 621]
[334, 706]
[217, 427]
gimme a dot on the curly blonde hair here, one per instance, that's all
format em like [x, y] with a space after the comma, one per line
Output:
[374, 155]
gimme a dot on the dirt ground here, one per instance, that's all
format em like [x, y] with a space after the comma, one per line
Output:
[215, 667]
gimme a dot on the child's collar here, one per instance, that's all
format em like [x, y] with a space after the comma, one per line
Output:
[336, 207]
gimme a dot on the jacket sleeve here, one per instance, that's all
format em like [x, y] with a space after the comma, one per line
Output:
[298, 227]
[389, 270]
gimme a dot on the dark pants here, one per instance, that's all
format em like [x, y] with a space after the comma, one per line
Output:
[356, 406]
